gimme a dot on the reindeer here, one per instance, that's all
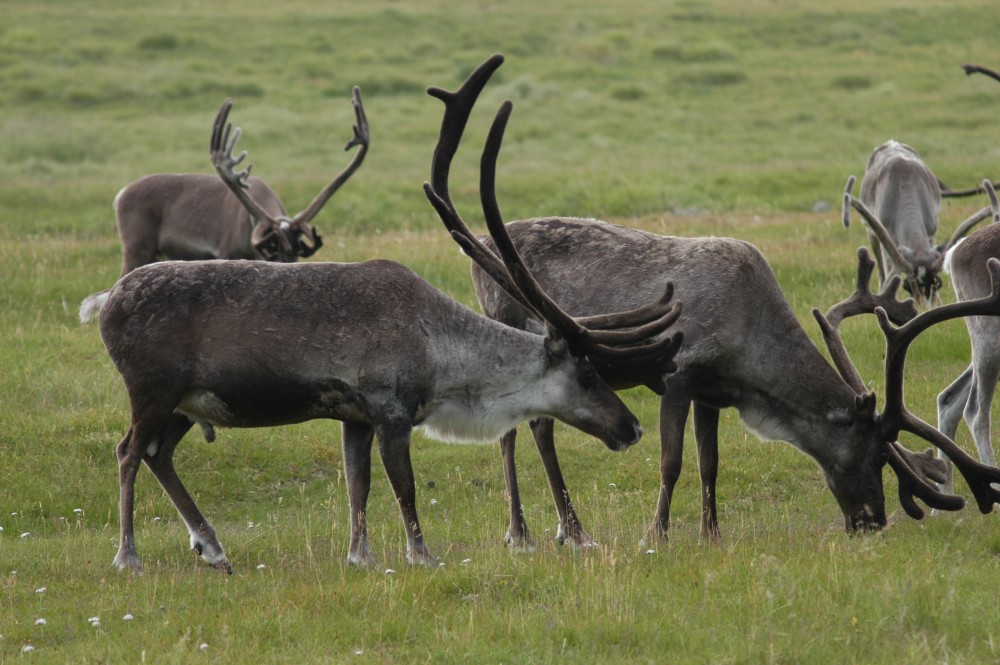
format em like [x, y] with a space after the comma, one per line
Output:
[971, 394]
[743, 348]
[254, 344]
[900, 203]
[198, 216]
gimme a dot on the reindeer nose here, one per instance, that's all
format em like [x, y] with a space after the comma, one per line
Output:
[638, 432]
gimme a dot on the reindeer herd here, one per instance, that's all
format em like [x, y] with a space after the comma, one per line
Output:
[574, 309]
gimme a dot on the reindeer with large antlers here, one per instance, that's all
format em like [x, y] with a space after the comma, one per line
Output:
[369, 344]
[743, 348]
[199, 216]
[900, 203]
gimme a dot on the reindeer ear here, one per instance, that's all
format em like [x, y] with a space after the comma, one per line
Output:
[556, 347]
[864, 405]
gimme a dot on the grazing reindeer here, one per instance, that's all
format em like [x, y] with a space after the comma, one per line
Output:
[198, 216]
[971, 394]
[900, 202]
[743, 348]
[376, 347]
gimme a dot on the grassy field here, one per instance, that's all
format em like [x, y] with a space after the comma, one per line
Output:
[689, 118]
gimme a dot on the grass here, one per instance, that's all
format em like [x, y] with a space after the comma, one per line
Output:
[694, 118]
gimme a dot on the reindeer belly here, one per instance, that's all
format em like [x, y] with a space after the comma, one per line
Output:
[270, 405]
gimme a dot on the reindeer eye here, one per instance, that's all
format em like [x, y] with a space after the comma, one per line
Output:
[588, 378]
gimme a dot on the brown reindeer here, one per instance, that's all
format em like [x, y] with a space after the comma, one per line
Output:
[198, 216]
[253, 344]
[743, 348]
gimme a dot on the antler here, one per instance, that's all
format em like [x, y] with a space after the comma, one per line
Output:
[862, 301]
[627, 350]
[977, 69]
[221, 147]
[877, 228]
[992, 210]
[361, 138]
[896, 417]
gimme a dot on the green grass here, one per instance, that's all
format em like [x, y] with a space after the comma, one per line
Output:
[692, 118]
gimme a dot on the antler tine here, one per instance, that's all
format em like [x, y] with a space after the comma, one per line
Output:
[877, 228]
[221, 147]
[361, 138]
[896, 417]
[976, 69]
[992, 210]
[912, 483]
[862, 301]
[458, 107]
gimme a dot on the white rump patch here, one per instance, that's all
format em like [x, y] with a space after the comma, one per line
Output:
[947, 257]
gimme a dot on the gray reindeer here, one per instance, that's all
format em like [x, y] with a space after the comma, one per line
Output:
[970, 396]
[743, 348]
[900, 204]
[255, 344]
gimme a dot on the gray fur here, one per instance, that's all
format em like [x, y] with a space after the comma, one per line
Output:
[970, 396]
[255, 344]
[743, 348]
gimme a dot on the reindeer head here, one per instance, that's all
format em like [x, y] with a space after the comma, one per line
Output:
[280, 238]
[856, 479]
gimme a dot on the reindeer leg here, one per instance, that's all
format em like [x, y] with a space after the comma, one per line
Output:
[517, 536]
[950, 404]
[159, 457]
[977, 410]
[394, 446]
[357, 444]
[706, 432]
[569, 524]
[673, 417]
[129, 458]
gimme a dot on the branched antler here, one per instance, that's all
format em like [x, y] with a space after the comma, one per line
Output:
[862, 301]
[630, 341]
[896, 417]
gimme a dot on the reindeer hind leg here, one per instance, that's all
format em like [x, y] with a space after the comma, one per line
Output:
[159, 458]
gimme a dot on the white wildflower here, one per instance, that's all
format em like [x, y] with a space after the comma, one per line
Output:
[127, 617]
[27, 648]
[261, 566]
[390, 571]
[40, 622]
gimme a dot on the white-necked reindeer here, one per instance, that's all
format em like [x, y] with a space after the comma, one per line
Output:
[970, 396]
[255, 344]
[190, 216]
[743, 348]
[900, 203]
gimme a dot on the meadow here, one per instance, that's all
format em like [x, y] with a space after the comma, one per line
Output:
[688, 117]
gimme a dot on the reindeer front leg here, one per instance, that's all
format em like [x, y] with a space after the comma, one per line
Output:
[673, 417]
[394, 446]
[518, 536]
[357, 444]
[706, 432]
[570, 528]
